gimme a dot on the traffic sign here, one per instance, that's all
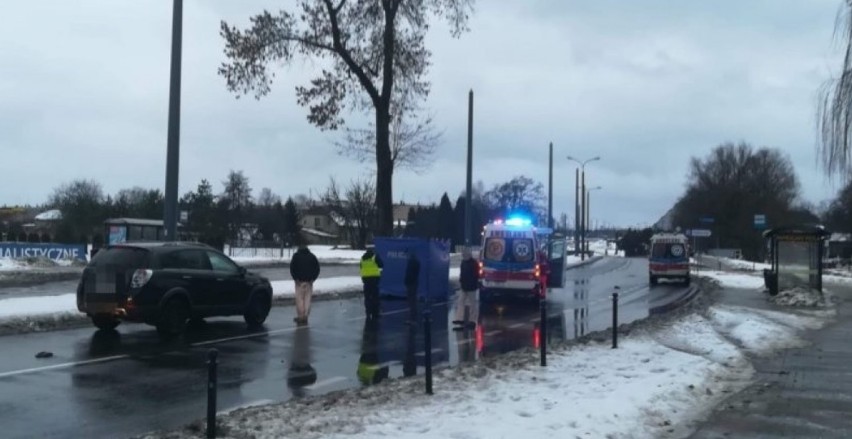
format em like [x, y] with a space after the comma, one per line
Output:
[699, 233]
[760, 221]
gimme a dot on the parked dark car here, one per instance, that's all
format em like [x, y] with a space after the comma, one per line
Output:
[167, 283]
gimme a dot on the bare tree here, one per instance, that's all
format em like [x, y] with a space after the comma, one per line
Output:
[734, 183]
[372, 47]
[519, 194]
[237, 200]
[267, 198]
[834, 111]
[413, 140]
[354, 208]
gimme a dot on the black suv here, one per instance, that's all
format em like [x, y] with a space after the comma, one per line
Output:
[167, 283]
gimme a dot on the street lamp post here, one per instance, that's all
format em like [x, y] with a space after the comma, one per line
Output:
[581, 205]
[170, 214]
[588, 210]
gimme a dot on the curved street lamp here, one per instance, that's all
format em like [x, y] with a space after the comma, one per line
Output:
[589, 203]
[580, 205]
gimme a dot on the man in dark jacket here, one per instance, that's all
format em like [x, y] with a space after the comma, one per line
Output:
[412, 280]
[305, 269]
[469, 279]
[371, 273]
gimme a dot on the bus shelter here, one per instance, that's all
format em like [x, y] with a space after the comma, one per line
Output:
[120, 230]
[796, 255]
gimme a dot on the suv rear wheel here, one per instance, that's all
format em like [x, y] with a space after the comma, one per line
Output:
[173, 317]
[105, 322]
[257, 310]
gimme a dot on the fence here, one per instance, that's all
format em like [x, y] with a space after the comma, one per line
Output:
[257, 250]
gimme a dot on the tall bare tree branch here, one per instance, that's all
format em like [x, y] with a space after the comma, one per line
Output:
[373, 48]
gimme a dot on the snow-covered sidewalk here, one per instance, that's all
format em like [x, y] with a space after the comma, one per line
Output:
[660, 382]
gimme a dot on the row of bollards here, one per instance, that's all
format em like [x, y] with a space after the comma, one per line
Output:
[615, 318]
[427, 329]
[212, 355]
[543, 332]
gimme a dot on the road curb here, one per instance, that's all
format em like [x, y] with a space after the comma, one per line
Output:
[74, 320]
[687, 297]
[591, 260]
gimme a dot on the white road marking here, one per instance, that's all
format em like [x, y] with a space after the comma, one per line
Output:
[324, 383]
[493, 333]
[516, 325]
[122, 357]
[63, 365]
[242, 337]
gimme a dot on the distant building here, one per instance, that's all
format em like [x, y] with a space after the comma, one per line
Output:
[840, 246]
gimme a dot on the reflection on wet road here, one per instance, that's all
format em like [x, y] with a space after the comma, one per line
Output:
[108, 384]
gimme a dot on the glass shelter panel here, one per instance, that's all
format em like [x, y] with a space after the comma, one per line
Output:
[798, 262]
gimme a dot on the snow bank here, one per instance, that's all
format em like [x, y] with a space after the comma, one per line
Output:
[325, 254]
[734, 280]
[763, 331]
[744, 265]
[804, 297]
[7, 264]
[656, 384]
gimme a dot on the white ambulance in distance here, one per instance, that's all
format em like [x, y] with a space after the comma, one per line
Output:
[668, 257]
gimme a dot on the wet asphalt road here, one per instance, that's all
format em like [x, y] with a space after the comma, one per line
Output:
[126, 382]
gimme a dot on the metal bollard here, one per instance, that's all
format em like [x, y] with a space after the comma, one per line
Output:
[543, 332]
[212, 355]
[427, 327]
[615, 318]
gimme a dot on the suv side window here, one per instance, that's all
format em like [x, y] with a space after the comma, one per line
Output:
[222, 264]
[185, 260]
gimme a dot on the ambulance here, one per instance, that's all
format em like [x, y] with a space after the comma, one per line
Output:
[668, 257]
[511, 259]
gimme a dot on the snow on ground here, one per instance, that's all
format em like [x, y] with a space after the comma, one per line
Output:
[7, 264]
[801, 296]
[734, 280]
[656, 384]
[762, 331]
[744, 265]
[325, 254]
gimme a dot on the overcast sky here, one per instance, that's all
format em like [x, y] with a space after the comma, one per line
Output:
[644, 84]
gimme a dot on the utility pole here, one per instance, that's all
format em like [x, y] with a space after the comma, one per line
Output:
[576, 210]
[583, 215]
[550, 206]
[468, 201]
[170, 214]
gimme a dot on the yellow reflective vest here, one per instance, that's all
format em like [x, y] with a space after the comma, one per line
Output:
[369, 268]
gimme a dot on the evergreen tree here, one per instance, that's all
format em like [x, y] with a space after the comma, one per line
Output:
[446, 218]
[292, 223]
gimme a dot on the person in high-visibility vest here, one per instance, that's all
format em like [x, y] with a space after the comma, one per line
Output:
[371, 272]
